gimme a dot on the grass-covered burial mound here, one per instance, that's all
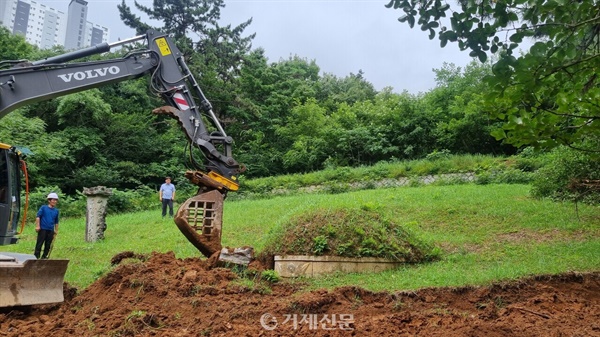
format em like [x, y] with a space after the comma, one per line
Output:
[348, 232]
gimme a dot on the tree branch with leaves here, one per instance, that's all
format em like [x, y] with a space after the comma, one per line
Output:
[547, 95]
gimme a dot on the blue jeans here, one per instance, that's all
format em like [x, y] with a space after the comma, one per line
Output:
[165, 203]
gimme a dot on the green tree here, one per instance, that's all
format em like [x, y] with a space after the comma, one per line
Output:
[350, 89]
[546, 96]
[269, 93]
[14, 47]
[406, 124]
[142, 147]
[307, 128]
[211, 49]
[457, 105]
[390, 126]
[19, 130]
[76, 123]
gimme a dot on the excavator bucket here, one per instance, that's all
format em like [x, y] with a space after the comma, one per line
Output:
[200, 219]
[31, 281]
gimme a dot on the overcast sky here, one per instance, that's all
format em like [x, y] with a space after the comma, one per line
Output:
[343, 37]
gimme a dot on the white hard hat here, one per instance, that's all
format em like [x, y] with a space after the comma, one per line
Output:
[52, 196]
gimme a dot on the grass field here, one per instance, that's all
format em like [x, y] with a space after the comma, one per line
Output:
[486, 233]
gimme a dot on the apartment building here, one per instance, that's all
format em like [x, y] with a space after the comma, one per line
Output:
[45, 26]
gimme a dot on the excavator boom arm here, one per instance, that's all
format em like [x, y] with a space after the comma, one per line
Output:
[26, 85]
[171, 78]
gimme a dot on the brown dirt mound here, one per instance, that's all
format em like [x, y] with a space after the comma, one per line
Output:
[160, 295]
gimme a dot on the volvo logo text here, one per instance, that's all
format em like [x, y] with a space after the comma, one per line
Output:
[92, 73]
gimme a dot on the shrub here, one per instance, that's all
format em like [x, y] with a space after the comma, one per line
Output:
[436, 155]
[120, 201]
[512, 176]
[140, 199]
[504, 176]
[529, 160]
[68, 205]
[565, 174]
[336, 188]
[270, 276]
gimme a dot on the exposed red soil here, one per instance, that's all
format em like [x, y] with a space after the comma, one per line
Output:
[160, 295]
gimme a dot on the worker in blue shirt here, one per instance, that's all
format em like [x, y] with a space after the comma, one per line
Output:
[46, 225]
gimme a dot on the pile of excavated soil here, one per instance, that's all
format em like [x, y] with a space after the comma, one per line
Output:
[160, 295]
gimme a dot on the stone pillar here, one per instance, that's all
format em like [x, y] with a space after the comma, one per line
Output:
[95, 217]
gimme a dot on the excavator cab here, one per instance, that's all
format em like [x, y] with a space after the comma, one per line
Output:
[10, 198]
[24, 280]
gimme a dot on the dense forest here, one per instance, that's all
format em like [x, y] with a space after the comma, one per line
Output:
[286, 116]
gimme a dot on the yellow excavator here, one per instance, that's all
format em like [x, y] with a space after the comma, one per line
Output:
[24, 280]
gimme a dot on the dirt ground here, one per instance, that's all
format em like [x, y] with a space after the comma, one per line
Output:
[160, 295]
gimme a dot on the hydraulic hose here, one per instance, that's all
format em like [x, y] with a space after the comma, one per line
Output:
[24, 219]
